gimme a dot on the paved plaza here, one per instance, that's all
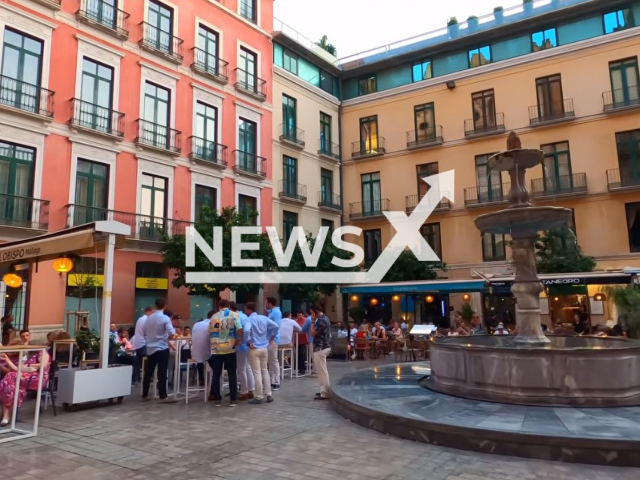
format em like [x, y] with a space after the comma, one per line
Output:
[294, 437]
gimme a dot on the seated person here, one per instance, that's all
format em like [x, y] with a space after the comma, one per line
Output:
[500, 330]
[396, 331]
[125, 354]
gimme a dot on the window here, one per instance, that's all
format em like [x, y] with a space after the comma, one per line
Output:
[367, 85]
[290, 176]
[206, 131]
[484, 110]
[422, 70]
[289, 108]
[328, 83]
[156, 115]
[153, 205]
[372, 246]
[290, 61]
[371, 201]
[247, 145]
[207, 50]
[423, 171]
[479, 56]
[557, 167]
[205, 197]
[488, 181]
[248, 68]
[325, 134]
[248, 208]
[544, 40]
[624, 82]
[16, 183]
[248, 9]
[550, 99]
[92, 192]
[327, 223]
[96, 95]
[102, 11]
[424, 121]
[629, 157]
[493, 247]
[633, 225]
[22, 70]
[431, 233]
[160, 31]
[369, 135]
[326, 186]
[617, 20]
[289, 221]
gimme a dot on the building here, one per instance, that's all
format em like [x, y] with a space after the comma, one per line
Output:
[563, 75]
[137, 111]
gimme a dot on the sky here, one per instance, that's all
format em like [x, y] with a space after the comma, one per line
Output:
[354, 26]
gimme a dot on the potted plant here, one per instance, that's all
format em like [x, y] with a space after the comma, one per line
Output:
[527, 5]
[467, 312]
[498, 14]
[472, 22]
[453, 27]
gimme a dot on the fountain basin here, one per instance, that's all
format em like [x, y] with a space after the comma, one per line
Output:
[523, 222]
[576, 371]
[522, 158]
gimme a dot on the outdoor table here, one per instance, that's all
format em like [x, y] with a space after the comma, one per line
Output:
[19, 433]
[177, 342]
[69, 341]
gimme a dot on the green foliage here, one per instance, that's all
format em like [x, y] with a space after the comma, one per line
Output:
[558, 252]
[452, 21]
[498, 9]
[527, 1]
[88, 341]
[472, 18]
[467, 312]
[627, 300]
[326, 46]
[407, 268]
[357, 313]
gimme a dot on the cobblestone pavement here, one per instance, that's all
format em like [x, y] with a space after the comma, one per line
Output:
[292, 438]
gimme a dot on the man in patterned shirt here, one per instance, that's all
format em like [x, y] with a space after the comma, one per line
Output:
[225, 332]
[321, 331]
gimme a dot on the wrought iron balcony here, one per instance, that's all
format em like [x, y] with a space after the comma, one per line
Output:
[162, 43]
[104, 16]
[485, 195]
[621, 99]
[250, 164]
[251, 84]
[52, 4]
[411, 202]
[292, 191]
[95, 118]
[213, 67]
[542, 114]
[368, 210]
[292, 135]
[210, 153]
[329, 201]
[575, 184]
[28, 98]
[480, 129]
[368, 148]
[622, 180]
[424, 138]
[158, 137]
[328, 149]
[24, 212]
[143, 227]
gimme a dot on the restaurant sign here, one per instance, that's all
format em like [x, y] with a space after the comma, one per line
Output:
[85, 279]
[152, 283]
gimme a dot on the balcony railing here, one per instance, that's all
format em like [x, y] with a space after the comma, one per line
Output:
[621, 99]
[538, 114]
[210, 152]
[489, 127]
[370, 209]
[329, 200]
[26, 97]
[250, 164]
[329, 149]
[104, 16]
[251, 84]
[411, 202]
[161, 42]
[210, 65]
[292, 135]
[159, 137]
[368, 148]
[96, 118]
[424, 138]
[622, 180]
[143, 227]
[24, 212]
[561, 185]
[293, 191]
[53, 4]
[486, 195]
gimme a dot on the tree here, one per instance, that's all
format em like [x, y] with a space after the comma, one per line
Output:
[627, 300]
[557, 251]
[407, 268]
[326, 46]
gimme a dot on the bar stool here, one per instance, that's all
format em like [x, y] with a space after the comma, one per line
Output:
[197, 387]
[282, 350]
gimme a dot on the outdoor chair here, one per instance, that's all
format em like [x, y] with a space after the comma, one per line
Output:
[362, 348]
[50, 390]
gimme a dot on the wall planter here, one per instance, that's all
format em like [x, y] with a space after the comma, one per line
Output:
[453, 27]
[498, 14]
[528, 7]
[472, 23]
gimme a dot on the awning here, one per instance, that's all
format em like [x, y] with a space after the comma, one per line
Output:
[565, 282]
[435, 286]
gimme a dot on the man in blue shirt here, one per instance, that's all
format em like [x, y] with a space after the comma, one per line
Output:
[274, 365]
[321, 349]
[245, 374]
[157, 331]
[259, 334]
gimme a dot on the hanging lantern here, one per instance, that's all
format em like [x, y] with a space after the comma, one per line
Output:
[354, 298]
[12, 280]
[396, 298]
[374, 301]
[466, 297]
[599, 297]
[63, 265]
[429, 298]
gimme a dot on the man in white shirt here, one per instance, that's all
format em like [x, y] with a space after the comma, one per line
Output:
[201, 344]
[139, 345]
[287, 327]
